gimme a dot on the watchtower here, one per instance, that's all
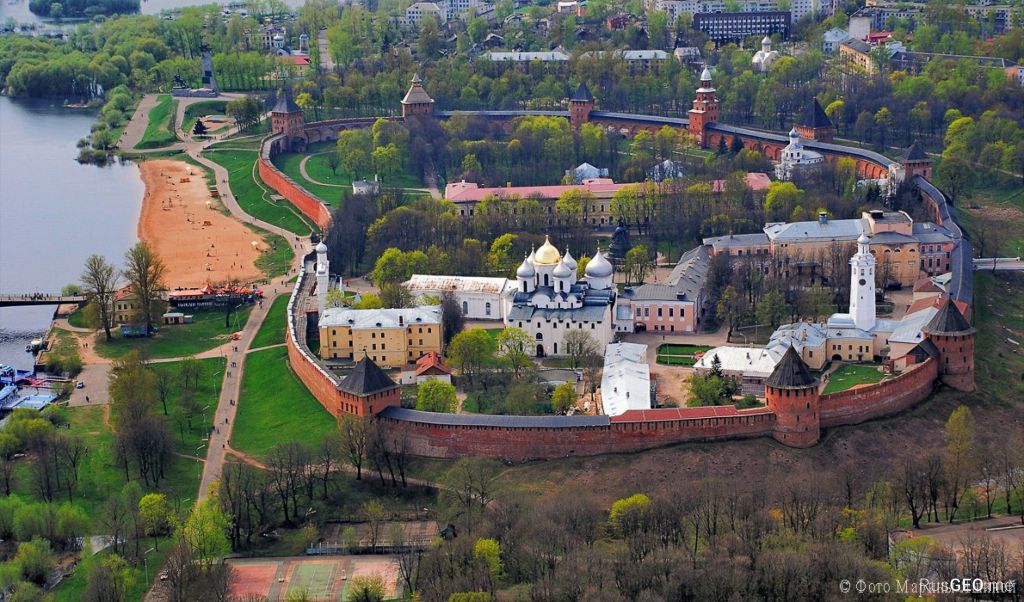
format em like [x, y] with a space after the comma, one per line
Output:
[367, 390]
[705, 109]
[287, 118]
[953, 336]
[814, 124]
[417, 101]
[791, 392]
[580, 106]
[916, 163]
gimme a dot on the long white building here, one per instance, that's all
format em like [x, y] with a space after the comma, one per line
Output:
[480, 298]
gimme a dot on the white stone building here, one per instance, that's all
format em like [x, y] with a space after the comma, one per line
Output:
[625, 379]
[765, 57]
[795, 158]
[479, 297]
[549, 301]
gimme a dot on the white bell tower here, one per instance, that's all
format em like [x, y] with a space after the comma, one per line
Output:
[323, 277]
[862, 285]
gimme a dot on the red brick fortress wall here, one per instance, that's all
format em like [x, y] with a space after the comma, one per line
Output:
[884, 399]
[311, 206]
[655, 428]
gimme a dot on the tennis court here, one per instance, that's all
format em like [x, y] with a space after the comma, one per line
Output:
[324, 578]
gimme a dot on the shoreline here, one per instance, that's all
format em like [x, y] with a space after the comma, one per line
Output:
[185, 225]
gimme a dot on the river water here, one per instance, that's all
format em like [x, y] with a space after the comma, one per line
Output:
[54, 212]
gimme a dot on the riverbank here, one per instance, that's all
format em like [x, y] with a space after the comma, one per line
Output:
[184, 224]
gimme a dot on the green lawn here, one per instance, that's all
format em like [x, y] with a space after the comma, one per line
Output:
[275, 407]
[201, 109]
[272, 331]
[674, 349]
[160, 127]
[253, 196]
[289, 164]
[205, 332]
[188, 438]
[851, 375]
[998, 314]
[675, 360]
[77, 318]
[277, 258]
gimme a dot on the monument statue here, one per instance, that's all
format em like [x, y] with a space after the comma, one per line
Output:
[620, 241]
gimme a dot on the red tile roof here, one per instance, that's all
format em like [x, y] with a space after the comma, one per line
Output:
[461, 192]
[431, 362]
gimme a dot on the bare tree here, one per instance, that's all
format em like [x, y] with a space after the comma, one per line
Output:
[352, 434]
[145, 272]
[578, 344]
[99, 279]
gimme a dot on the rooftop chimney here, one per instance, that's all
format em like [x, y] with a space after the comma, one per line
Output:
[822, 217]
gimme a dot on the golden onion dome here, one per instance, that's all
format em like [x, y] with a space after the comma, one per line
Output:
[547, 254]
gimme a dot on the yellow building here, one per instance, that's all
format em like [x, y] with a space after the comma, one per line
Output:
[390, 337]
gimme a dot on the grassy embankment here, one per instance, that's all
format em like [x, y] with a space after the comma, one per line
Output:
[206, 331]
[160, 126]
[253, 195]
[272, 331]
[274, 401]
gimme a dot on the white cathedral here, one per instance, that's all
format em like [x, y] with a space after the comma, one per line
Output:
[549, 301]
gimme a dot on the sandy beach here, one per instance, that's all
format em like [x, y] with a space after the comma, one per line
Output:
[181, 220]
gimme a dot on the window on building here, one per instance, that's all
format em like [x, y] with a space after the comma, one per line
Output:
[487, 308]
[465, 308]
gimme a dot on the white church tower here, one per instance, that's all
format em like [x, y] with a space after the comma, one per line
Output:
[862, 285]
[323, 277]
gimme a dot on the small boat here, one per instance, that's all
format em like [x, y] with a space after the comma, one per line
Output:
[34, 345]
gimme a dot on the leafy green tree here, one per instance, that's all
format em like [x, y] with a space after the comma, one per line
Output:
[35, 559]
[470, 351]
[501, 258]
[436, 396]
[626, 509]
[772, 308]
[514, 347]
[368, 301]
[205, 531]
[157, 515]
[782, 197]
[564, 397]
[638, 264]
[367, 588]
[387, 160]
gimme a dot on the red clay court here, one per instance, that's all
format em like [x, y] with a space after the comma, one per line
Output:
[324, 578]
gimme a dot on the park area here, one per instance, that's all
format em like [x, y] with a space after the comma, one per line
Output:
[848, 376]
[671, 354]
[206, 332]
[318, 578]
[160, 127]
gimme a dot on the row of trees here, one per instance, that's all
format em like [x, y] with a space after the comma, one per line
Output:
[771, 538]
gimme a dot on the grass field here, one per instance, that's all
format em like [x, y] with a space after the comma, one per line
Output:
[851, 375]
[160, 126]
[200, 109]
[187, 439]
[675, 360]
[274, 401]
[674, 349]
[252, 194]
[77, 318]
[278, 257]
[272, 331]
[289, 164]
[205, 332]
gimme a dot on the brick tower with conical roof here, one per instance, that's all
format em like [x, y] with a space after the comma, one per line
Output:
[367, 390]
[417, 101]
[953, 336]
[791, 392]
[287, 118]
[580, 106]
[915, 162]
[705, 109]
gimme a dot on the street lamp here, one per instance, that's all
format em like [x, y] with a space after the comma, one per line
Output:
[145, 560]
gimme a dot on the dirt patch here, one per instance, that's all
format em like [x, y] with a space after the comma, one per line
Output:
[180, 219]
